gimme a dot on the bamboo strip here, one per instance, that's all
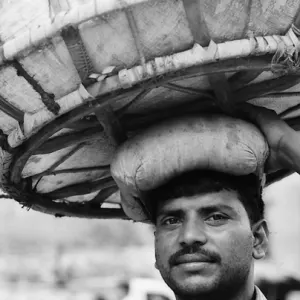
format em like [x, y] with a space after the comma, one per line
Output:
[269, 86]
[240, 79]
[187, 90]
[69, 139]
[67, 209]
[281, 95]
[106, 169]
[137, 98]
[58, 162]
[11, 110]
[80, 188]
[288, 111]
[84, 124]
[104, 194]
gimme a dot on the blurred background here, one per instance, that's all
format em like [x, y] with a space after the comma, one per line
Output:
[42, 257]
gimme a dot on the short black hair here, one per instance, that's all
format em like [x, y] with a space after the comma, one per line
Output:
[197, 182]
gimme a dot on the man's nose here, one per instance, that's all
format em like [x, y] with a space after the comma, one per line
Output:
[193, 231]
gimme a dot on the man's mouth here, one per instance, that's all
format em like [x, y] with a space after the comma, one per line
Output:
[192, 259]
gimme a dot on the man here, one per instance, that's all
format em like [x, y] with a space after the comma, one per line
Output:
[209, 230]
[210, 226]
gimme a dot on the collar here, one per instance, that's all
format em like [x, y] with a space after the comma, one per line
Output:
[259, 295]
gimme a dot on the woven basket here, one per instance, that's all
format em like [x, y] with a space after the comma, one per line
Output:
[80, 77]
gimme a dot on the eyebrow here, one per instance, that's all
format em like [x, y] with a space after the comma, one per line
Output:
[203, 210]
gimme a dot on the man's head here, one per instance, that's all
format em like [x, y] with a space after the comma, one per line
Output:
[209, 229]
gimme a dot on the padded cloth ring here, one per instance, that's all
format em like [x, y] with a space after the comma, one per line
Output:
[211, 142]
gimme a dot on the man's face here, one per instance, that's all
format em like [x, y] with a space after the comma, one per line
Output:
[204, 243]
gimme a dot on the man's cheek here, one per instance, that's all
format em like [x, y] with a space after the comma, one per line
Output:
[238, 246]
[162, 250]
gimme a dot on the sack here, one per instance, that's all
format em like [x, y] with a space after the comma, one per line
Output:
[214, 142]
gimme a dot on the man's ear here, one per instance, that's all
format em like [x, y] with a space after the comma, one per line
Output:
[260, 233]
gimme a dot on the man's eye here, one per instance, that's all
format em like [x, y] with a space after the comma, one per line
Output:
[170, 221]
[217, 219]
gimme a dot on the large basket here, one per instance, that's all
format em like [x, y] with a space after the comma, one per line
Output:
[79, 77]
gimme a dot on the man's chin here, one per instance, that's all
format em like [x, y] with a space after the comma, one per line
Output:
[194, 283]
[192, 288]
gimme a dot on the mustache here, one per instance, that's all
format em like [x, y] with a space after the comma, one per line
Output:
[194, 249]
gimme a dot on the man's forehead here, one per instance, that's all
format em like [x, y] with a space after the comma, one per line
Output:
[222, 198]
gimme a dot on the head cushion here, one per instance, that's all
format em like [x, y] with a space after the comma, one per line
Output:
[210, 142]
